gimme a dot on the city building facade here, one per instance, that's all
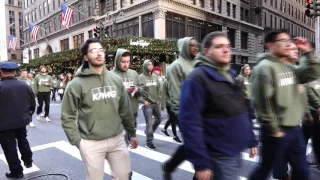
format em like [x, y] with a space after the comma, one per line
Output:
[290, 15]
[245, 22]
[13, 22]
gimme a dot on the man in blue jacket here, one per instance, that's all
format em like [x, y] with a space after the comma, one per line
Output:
[17, 104]
[213, 116]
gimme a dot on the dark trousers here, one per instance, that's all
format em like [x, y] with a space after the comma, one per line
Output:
[278, 151]
[172, 120]
[43, 97]
[61, 97]
[9, 145]
[148, 111]
[53, 94]
[250, 109]
[313, 131]
[177, 158]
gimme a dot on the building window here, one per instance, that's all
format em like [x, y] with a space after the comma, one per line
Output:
[13, 56]
[147, 25]
[78, 40]
[280, 23]
[244, 40]
[219, 4]
[19, 4]
[133, 1]
[114, 5]
[296, 13]
[64, 44]
[196, 29]
[234, 10]
[44, 7]
[201, 3]
[128, 28]
[175, 26]
[79, 14]
[271, 2]
[40, 11]
[89, 10]
[36, 53]
[275, 22]
[90, 34]
[212, 4]
[50, 25]
[20, 18]
[193, 2]
[228, 9]
[244, 14]
[284, 7]
[12, 20]
[265, 19]
[271, 22]
[275, 4]
[53, 4]
[292, 11]
[11, 2]
[54, 24]
[48, 2]
[289, 9]
[244, 59]
[232, 36]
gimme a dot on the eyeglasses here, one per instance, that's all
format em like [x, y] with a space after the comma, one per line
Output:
[284, 40]
[96, 50]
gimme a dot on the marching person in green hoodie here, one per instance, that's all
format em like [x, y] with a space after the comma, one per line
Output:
[130, 79]
[176, 74]
[151, 97]
[280, 169]
[42, 85]
[24, 77]
[244, 78]
[95, 111]
[278, 103]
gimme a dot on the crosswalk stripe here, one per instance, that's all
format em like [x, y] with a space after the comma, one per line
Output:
[161, 126]
[73, 151]
[34, 168]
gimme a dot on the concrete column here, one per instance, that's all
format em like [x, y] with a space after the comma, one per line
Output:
[159, 23]
[140, 26]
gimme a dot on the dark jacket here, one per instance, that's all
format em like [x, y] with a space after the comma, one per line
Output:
[17, 104]
[213, 116]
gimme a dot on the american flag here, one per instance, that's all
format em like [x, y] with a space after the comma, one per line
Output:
[34, 32]
[66, 15]
[12, 42]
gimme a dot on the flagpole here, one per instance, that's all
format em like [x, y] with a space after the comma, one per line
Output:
[38, 26]
[78, 11]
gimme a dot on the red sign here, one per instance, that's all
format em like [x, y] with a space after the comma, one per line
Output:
[308, 1]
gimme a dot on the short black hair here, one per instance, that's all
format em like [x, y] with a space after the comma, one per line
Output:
[272, 35]
[207, 41]
[84, 48]
[125, 54]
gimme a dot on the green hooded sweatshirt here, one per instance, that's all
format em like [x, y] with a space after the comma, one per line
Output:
[96, 107]
[178, 72]
[275, 90]
[38, 83]
[246, 82]
[313, 92]
[129, 78]
[27, 80]
[150, 85]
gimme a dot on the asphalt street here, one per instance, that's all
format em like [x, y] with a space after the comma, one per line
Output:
[53, 154]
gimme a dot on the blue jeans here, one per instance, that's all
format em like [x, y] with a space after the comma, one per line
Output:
[148, 111]
[226, 168]
[277, 152]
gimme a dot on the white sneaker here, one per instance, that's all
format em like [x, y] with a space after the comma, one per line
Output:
[31, 124]
[47, 119]
[38, 117]
[42, 114]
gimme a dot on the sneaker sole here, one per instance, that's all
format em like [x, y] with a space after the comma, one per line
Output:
[150, 148]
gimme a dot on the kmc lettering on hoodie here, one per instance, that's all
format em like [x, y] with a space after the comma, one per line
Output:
[286, 78]
[128, 82]
[105, 92]
[151, 83]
